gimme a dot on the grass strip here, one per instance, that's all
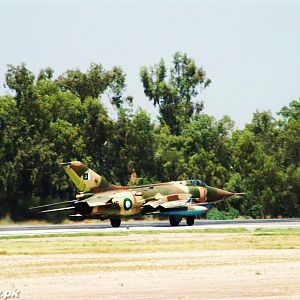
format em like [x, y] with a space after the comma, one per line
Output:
[124, 233]
[147, 241]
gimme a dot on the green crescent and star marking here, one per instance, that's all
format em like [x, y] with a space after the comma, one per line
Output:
[86, 176]
[127, 204]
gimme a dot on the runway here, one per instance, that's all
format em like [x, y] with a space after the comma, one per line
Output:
[145, 225]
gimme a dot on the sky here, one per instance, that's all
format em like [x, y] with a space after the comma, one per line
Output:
[249, 49]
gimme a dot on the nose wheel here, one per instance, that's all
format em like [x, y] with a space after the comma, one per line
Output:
[190, 220]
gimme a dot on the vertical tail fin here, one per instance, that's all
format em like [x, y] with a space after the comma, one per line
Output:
[85, 179]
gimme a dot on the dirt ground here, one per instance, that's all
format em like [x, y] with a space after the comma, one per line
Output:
[200, 274]
[243, 265]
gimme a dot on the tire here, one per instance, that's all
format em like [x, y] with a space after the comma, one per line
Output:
[174, 221]
[115, 222]
[190, 221]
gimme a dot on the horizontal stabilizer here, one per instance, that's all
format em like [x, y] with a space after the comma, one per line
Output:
[55, 209]
[52, 204]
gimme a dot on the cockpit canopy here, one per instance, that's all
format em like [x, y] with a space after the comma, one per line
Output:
[197, 182]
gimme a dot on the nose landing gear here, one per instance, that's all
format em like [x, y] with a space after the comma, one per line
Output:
[190, 220]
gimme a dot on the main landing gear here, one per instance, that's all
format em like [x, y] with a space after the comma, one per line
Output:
[175, 220]
[115, 222]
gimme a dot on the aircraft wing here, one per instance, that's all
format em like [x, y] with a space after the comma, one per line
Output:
[98, 201]
[174, 204]
[168, 202]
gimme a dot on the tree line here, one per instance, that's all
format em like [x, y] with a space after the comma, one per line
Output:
[46, 120]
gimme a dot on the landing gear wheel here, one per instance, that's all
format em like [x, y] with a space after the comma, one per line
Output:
[115, 222]
[174, 221]
[190, 220]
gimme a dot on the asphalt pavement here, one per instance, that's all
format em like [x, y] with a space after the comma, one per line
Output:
[145, 225]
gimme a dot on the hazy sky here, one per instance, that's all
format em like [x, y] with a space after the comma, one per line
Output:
[249, 49]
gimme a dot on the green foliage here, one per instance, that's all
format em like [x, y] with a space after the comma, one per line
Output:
[173, 92]
[254, 211]
[48, 120]
[94, 83]
[215, 214]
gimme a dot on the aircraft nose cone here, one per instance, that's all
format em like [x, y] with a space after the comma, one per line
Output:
[222, 193]
[214, 194]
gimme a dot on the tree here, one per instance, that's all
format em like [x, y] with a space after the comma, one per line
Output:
[20, 80]
[94, 83]
[173, 93]
[290, 133]
[289, 143]
[141, 147]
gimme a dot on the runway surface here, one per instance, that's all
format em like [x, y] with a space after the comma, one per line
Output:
[145, 225]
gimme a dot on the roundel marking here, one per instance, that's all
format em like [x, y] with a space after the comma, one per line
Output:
[127, 204]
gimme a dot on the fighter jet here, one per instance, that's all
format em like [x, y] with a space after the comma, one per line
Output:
[100, 199]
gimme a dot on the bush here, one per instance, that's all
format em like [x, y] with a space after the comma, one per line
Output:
[215, 214]
[255, 211]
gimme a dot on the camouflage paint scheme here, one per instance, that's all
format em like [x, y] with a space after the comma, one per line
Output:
[100, 199]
